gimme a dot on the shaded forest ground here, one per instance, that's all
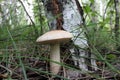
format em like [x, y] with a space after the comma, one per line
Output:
[31, 60]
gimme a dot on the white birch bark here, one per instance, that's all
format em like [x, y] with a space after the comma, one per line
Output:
[72, 21]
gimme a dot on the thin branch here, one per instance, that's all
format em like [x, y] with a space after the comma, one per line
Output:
[106, 8]
[26, 12]
[35, 29]
[6, 75]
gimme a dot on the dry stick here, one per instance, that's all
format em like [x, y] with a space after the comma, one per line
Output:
[26, 12]
[10, 72]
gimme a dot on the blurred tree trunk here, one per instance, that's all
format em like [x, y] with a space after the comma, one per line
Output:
[117, 19]
[68, 15]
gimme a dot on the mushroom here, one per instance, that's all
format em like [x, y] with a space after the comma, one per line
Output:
[54, 38]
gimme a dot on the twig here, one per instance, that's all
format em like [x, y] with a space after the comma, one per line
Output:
[26, 12]
[10, 72]
[29, 17]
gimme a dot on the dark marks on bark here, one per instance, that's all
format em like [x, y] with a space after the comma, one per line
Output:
[56, 8]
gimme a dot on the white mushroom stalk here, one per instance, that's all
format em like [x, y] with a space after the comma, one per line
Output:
[55, 56]
[54, 38]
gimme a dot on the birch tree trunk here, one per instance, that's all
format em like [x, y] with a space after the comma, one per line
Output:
[67, 15]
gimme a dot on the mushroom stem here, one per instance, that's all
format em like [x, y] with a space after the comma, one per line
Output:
[55, 56]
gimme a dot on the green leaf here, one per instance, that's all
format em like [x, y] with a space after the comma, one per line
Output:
[87, 9]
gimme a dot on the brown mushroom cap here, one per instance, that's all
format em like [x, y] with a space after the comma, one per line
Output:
[55, 36]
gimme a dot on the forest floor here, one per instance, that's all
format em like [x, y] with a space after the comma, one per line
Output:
[32, 63]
